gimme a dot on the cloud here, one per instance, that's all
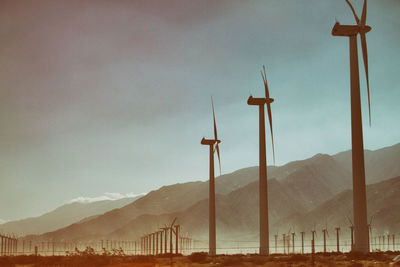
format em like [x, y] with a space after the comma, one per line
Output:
[106, 196]
[2, 221]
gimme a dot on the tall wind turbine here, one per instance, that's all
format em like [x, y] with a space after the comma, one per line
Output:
[213, 144]
[263, 185]
[359, 191]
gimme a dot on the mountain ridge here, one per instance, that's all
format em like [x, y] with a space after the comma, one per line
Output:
[63, 216]
[325, 176]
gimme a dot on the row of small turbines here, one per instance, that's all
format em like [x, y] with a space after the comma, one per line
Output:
[361, 235]
[290, 242]
[156, 242]
[8, 245]
[376, 242]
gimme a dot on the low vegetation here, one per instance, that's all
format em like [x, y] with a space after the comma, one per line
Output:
[117, 259]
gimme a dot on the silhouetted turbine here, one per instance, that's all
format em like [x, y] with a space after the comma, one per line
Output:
[213, 144]
[263, 185]
[359, 191]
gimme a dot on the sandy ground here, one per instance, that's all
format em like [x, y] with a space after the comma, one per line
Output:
[202, 260]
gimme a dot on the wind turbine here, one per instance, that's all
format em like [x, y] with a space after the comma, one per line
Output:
[370, 233]
[213, 144]
[380, 247]
[165, 231]
[284, 243]
[177, 227]
[161, 241]
[352, 233]
[263, 184]
[326, 233]
[293, 235]
[359, 191]
[1, 245]
[394, 241]
[337, 239]
[288, 240]
[171, 230]
[388, 239]
[313, 234]
[302, 242]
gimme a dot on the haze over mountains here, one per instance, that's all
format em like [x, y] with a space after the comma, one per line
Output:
[380, 164]
[383, 201]
[237, 215]
[64, 216]
[301, 193]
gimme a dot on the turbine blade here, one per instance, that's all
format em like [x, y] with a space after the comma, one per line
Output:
[173, 222]
[354, 12]
[272, 133]
[351, 222]
[216, 136]
[215, 124]
[364, 13]
[219, 159]
[264, 76]
[365, 58]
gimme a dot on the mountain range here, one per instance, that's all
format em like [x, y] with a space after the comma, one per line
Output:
[63, 216]
[302, 194]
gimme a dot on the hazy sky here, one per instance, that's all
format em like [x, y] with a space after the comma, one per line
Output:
[114, 96]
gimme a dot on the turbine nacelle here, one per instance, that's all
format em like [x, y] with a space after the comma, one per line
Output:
[349, 30]
[209, 141]
[259, 101]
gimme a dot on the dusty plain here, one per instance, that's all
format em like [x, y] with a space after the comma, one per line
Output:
[202, 260]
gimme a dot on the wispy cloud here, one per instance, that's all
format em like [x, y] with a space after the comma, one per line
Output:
[106, 196]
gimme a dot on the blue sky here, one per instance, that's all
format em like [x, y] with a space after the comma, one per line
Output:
[114, 96]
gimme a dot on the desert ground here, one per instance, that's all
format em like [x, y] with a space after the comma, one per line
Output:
[203, 260]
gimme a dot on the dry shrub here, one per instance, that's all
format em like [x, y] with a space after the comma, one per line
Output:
[199, 257]
[297, 258]
[233, 260]
[379, 256]
[82, 260]
[354, 255]
[259, 260]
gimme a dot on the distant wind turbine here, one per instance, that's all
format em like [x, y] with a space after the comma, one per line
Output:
[313, 235]
[359, 190]
[351, 233]
[293, 235]
[213, 144]
[171, 230]
[263, 184]
[325, 233]
[302, 242]
[165, 231]
[370, 233]
[337, 238]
